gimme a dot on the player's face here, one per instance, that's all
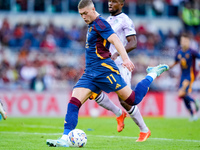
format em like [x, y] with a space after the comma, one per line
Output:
[115, 6]
[185, 43]
[88, 14]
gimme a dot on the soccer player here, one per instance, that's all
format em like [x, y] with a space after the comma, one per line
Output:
[186, 57]
[101, 72]
[2, 111]
[124, 28]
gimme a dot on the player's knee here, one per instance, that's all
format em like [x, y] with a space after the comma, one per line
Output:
[181, 94]
[131, 99]
[134, 98]
[75, 101]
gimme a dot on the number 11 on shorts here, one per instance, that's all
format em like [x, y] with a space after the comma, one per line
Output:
[113, 78]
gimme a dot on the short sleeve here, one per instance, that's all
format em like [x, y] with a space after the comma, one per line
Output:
[195, 54]
[103, 28]
[128, 27]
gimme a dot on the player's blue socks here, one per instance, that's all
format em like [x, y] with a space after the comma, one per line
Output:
[188, 106]
[187, 101]
[71, 118]
[189, 98]
[140, 91]
[150, 80]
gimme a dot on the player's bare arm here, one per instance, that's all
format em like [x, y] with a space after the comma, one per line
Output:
[131, 45]
[113, 39]
[174, 64]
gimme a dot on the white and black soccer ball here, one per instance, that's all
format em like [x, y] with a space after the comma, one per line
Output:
[77, 138]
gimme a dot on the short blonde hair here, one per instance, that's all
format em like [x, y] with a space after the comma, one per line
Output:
[85, 3]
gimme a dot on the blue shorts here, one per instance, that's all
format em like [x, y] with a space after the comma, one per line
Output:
[108, 81]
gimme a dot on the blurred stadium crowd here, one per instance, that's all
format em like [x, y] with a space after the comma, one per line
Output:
[47, 57]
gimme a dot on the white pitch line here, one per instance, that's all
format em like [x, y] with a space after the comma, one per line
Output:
[161, 139]
[31, 133]
[35, 126]
[124, 137]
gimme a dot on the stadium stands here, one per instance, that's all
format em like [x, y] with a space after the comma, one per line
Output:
[34, 37]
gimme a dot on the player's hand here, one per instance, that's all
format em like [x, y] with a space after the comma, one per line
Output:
[114, 56]
[128, 64]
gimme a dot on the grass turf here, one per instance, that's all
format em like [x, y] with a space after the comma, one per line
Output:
[167, 134]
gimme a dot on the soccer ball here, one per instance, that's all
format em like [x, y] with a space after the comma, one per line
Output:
[77, 138]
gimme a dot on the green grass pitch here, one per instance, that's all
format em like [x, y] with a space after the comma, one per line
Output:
[167, 134]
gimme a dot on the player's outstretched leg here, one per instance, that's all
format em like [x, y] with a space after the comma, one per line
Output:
[142, 87]
[2, 112]
[103, 100]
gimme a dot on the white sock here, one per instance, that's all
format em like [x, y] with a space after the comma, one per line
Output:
[152, 74]
[64, 137]
[137, 118]
[106, 103]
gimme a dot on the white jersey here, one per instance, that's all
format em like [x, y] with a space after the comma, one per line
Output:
[123, 27]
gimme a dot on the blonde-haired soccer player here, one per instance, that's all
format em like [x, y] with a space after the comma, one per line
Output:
[101, 72]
